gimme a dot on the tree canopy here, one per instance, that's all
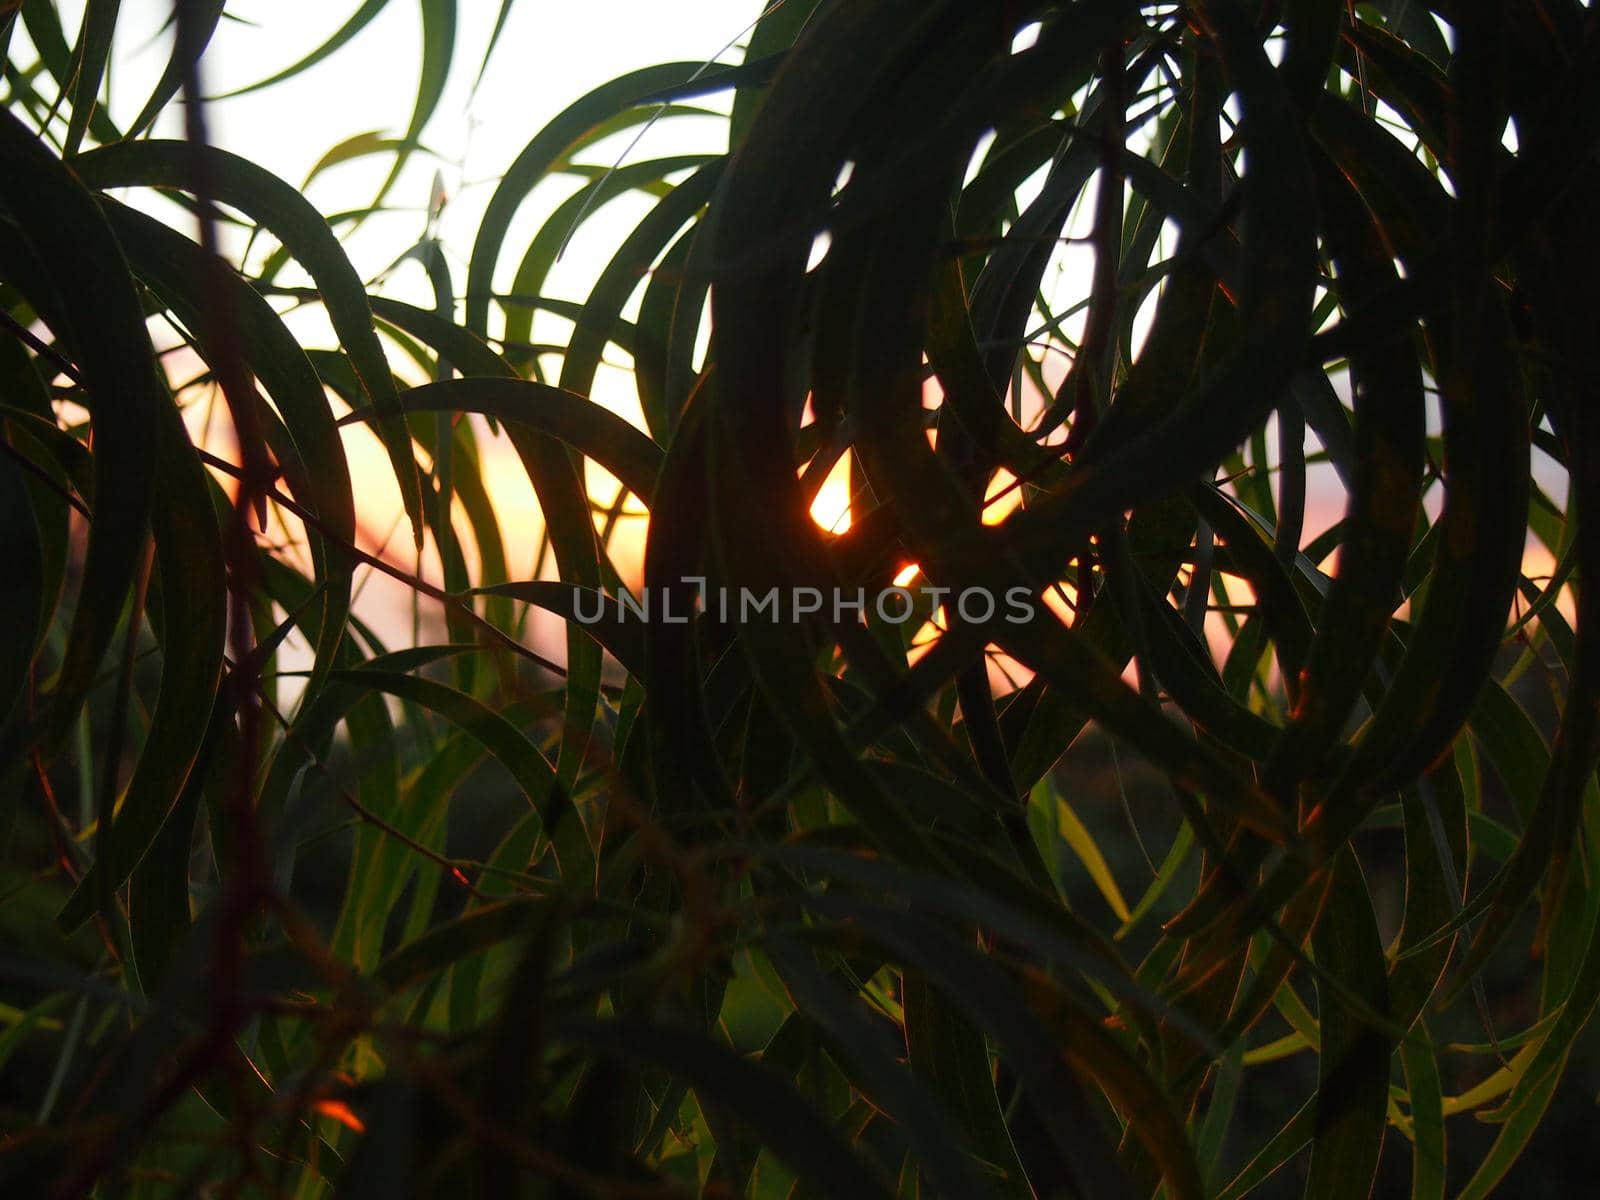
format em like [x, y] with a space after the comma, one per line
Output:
[1213, 385]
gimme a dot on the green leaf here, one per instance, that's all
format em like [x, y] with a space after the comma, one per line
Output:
[278, 207]
[555, 141]
[499, 736]
[341, 37]
[1353, 1058]
[753, 1095]
[77, 279]
[452, 941]
[206, 15]
[89, 67]
[1427, 1121]
[593, 431]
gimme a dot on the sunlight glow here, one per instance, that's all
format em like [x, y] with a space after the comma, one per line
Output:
[1002, 498]
[831, 508]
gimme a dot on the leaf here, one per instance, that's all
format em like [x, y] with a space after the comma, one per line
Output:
[505, 741]
[241, 184]
[870, 1056]
[494, 40]
[1353, 1059]
[755, 1096]
[1283, 1146]
[451, 941]
[1536, 1082]
[1427, 1121]
[206, 16]
[1072, 831]
[159, 922]
[89, 67]
[438, 53]
[43, 24]
[306, 445]
[557, 232]
[192, 628]
[603, 617]
[87, 292]
[1385, 492]
[556, 140]
[950, 1053]
[346, 33]
[621, 276]
[22, 596]
[593, 431]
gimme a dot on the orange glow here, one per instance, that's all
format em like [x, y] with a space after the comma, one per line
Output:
[1062, 599]
[907, 573]
[1002, 498]
[923, 640]
[339, 1111]
[1006, 674]
[831, 508]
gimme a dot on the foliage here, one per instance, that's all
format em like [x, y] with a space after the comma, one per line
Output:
[801, 908]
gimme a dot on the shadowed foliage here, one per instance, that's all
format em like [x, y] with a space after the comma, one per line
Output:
[1256, 856]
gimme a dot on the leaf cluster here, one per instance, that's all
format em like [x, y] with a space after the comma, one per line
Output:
[1251, 339]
